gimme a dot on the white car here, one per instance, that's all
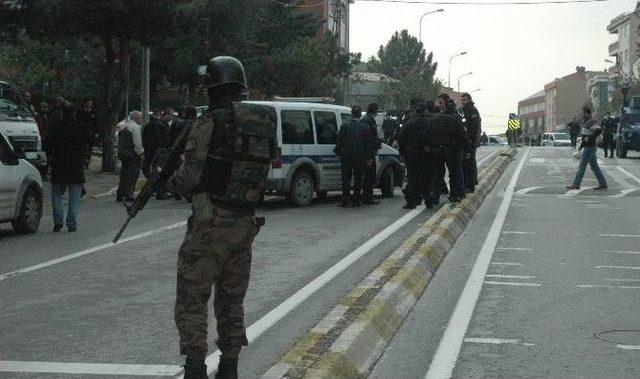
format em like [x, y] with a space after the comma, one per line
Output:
[20, 189]
[555, 139]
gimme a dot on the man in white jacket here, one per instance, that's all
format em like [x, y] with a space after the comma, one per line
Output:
[130, 153]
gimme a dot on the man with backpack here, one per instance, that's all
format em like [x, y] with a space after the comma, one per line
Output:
[130, 154]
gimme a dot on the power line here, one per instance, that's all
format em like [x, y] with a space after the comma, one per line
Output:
[544, 2]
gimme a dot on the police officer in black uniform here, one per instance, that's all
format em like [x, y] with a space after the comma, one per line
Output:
[352, 146]
[412, 143]
[370, 170]
[473, 131]
[446, 141]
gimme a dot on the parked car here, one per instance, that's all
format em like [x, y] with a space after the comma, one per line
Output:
[556, 139]
[20, 189]
[18, 125]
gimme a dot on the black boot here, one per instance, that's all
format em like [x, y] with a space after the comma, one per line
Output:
[227, 368]
[195, 368]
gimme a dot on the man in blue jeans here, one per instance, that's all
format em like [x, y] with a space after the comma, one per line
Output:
[589, 131]
[65, 144]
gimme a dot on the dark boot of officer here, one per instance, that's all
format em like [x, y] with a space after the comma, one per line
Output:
[195, 368]
[227, 368]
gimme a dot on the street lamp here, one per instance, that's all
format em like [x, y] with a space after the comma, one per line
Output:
[462, 76]
[430, 12]
[450, 60]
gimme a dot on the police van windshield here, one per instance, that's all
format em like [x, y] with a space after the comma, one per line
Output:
[11, 103]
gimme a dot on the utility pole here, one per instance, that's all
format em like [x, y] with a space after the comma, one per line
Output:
[146, 58]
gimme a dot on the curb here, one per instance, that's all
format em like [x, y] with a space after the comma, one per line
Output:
[350, 339]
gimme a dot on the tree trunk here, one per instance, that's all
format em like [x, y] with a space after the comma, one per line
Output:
[114, 76]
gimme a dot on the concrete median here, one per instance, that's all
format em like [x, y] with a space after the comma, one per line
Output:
[350, 339]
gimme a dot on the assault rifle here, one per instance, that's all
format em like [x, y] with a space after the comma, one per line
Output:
[164, 165]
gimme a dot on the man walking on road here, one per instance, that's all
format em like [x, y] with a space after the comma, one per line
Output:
[446, 142]
[608, 130]
[473, 130]
[223, 174]
[130, 153]
[351, 147]
[589, 131]
[370, 170]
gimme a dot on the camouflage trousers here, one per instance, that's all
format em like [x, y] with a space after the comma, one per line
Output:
[217, 254]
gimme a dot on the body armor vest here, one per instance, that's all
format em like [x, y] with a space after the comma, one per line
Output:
[243, 145]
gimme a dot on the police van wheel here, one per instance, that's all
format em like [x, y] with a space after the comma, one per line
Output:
[387, 183]
[302, 189]
[30, 213]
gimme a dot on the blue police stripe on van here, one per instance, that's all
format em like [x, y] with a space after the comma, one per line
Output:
[288, 159]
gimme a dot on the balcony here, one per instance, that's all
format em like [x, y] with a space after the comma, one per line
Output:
[613, 49]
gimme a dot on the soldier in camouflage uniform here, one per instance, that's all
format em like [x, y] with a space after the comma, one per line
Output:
[217, 247]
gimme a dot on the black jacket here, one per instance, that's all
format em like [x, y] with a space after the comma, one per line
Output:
[65, 143]
[473, 122]
[353, 142]
[446, 130]
[177, 126]
[375, 143]
[88, 120]
[155, 135]
[413, 139]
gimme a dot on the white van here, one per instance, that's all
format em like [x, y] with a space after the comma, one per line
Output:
[17, 123]
[20, 189]
[308, 165]
[555, 139]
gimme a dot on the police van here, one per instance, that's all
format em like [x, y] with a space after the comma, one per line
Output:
[307, 164]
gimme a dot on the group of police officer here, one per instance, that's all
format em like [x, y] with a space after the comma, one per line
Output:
[436, 135]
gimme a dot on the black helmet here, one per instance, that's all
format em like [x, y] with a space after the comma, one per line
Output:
[225, 70]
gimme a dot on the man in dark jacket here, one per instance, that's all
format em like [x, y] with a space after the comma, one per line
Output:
[155, 136]
[87, 119]
[473, 131]
[65, 144]
[589, 132]
[412, 143]
[351, 147]
[574, 131]
[370, 170]
[608, 130]
[446, 142]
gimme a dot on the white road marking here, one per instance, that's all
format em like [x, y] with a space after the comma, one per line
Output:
[627, 173]
[513, 284]
[605, 286]
[449, 347]
[509, 276]
[622, 252]
[621, 235]
[623, 280]
[514, 248]
[525, 191]
[621, 267]
[628, 347]
[520, 205]
[92, 250]
[624, 193]
[497, 341]
[517, 232]
[589, 201]
[505, 264]
[608, 208]
[89, 368]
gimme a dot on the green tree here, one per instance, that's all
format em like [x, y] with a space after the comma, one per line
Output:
[404, 58]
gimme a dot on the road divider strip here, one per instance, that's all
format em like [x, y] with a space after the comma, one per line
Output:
[351, 338]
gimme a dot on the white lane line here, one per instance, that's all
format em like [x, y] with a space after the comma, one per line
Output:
[628, 347]
[589, 201]
[623, 280]
[572, 193]
[449, 347]
[517, 232]
[624, 193]
[526, 190]
[505, 264]
[627, 173]
[89, 368]
[497, 341]
[509, 276]
[622, 252]
[519, 284]
[514, 248]
[621, 267]
[608, 208]
[621, 235]
[89, 251]
[605, 286]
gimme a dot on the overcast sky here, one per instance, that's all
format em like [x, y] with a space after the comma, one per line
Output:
[513, 51]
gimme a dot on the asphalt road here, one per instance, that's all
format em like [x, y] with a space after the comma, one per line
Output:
[537, 274]
[74, 304]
